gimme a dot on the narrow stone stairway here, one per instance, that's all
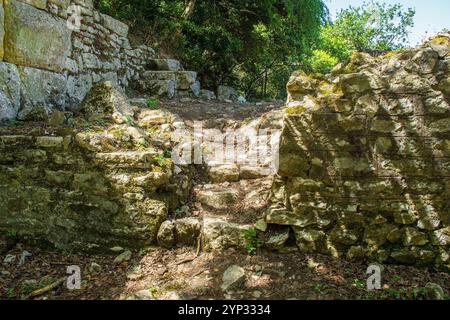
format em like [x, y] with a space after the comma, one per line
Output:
[233, 146]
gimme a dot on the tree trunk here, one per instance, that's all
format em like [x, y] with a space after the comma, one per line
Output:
[265, 82]
[189, 9]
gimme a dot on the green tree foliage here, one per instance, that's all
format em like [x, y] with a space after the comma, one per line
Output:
[373, 28]
[251, 44]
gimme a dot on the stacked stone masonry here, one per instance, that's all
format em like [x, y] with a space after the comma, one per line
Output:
[88, 187]
[365, 159]
[51, 61]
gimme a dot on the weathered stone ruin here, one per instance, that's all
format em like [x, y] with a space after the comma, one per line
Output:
[364, 161]
[89, 188]
[365, 158]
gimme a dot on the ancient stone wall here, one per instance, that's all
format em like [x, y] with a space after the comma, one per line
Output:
[87, 186]
[47, 63]
[365, 158]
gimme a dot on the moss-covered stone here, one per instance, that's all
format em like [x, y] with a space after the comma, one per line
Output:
[187, 231]
[310, 240]
[377, 235]
[357, 253]
[343, 235]
[277, 239]
[26, 40]
[81, 194]
[405, 217]
[413, 237]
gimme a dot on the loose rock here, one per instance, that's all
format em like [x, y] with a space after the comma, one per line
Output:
[233, 278]
[125, 256]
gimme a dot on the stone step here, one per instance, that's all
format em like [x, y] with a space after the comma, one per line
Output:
[183, 79]
[250, 172]
[241, 201]
[234, 173]
[216, 233]
[217, 199]
[219, 234]
[224, 173]
[165, 65]
[160, 75]
[181, 232]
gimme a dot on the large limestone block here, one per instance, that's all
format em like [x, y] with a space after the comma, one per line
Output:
[187, 231]
[166, 235]
[35, 38]
[217, 199]
[42, 89]
[106, 101]
[186, 79]
[9, 91]
[219, 235]
[159, 88]
[224, 173]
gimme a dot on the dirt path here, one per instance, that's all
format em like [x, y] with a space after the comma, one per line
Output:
[157, 273]
[268, 276]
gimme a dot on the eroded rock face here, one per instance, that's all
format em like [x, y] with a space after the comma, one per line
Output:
[71, 201]
[77, 89]
[364, 159]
